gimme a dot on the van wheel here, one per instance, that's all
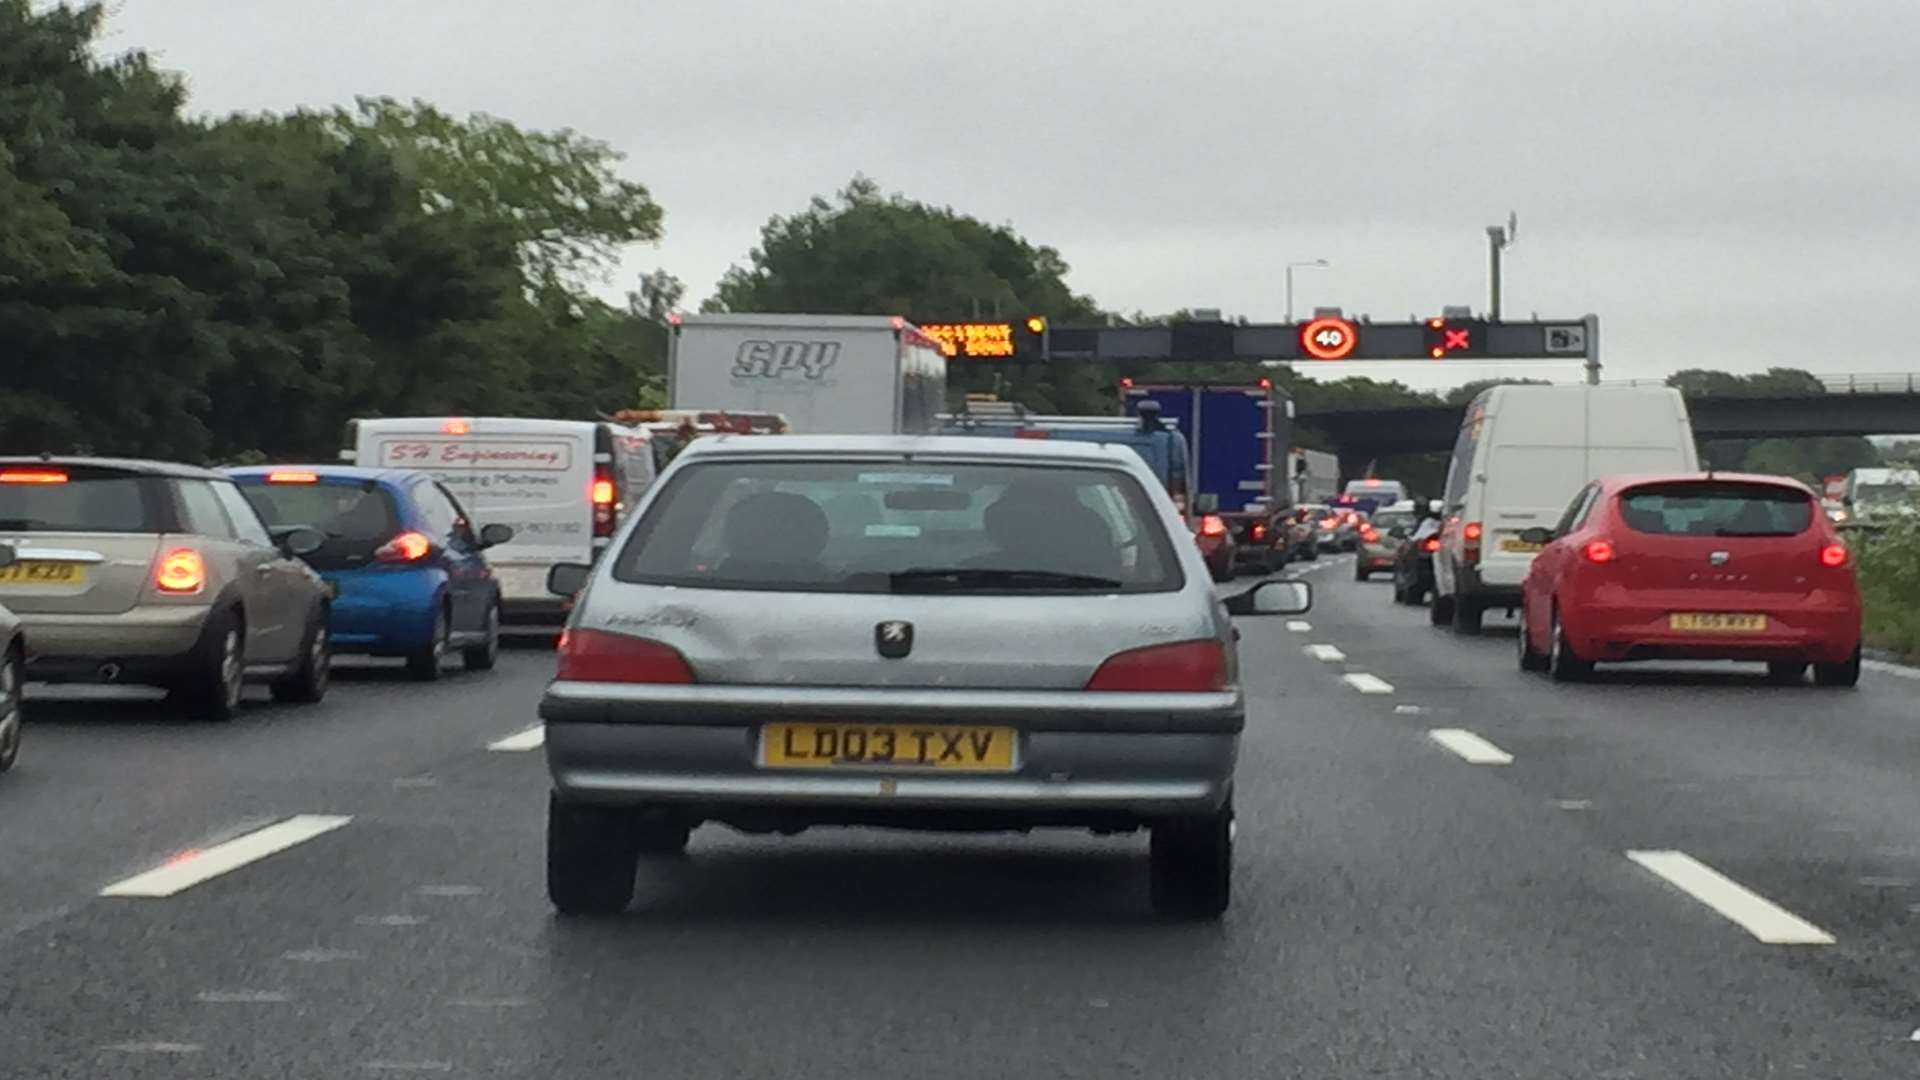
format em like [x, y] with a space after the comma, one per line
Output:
[1841, 675]
[1786, 672]
[1567, 665]
[307, 684]
[1191, 865]
[426, 664]
[592, 858]
[216, 675]
[484, 656]
[1441, 613]
[1467, 615]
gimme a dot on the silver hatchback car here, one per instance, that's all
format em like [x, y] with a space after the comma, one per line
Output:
[939, 633]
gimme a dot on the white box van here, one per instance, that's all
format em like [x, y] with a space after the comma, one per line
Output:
[1522, 454]
[561, 484]
[827, 374]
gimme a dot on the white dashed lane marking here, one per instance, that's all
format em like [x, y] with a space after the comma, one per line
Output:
[1759, 916]
[1368, 684]
[1329, 653]
[190, 868]
[1472, 749]
[531, 739]
[1299, 626]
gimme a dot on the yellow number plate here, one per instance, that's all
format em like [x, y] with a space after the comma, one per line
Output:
[890, 746]
[1716, 623]
[43, 573]
[1520, 546]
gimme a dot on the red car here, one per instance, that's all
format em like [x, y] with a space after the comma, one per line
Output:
[1700, 566]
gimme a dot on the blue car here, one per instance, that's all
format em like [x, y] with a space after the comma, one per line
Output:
[406, 567]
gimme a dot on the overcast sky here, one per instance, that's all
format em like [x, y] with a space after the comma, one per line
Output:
[1727, 183]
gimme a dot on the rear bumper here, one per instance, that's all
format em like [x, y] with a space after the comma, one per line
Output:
[1641, 632]
[1127, 757]
[384, 611]
[1373, 558]
[139, 636]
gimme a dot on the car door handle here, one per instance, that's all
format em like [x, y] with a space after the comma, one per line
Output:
[263, 568]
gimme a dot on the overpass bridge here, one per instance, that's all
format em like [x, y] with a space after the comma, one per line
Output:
[1848, 405]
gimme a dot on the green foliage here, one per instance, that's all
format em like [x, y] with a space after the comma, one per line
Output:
[206, 289]
[1889, 562]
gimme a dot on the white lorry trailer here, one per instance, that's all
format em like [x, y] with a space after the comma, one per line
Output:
[827, 374]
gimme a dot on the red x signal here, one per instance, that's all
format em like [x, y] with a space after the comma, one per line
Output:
[1456, 339]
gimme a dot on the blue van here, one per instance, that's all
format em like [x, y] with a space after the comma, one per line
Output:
[407, 569]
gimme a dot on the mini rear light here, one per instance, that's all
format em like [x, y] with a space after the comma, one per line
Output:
[1213, 525]
[32, 476]
[599, 656]
[1183, 666]
[1598, 551]
[1431, 543]
[293, 478]
[180, 571]
[1833, 555]
[405, 548]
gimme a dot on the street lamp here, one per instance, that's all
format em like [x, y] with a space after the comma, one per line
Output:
[1321, 263]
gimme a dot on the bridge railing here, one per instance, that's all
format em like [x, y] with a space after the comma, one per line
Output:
[1843, 383]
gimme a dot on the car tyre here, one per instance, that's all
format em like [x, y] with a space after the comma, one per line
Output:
[1441, 613]
[1566, 665]
[1219, 574]
[1841, 675]
[592, 857]
[1191, 865]
[1786, 672]
[1360, 571]
[307, 684]
[11, 709]
[1530, 659]
[215, 680]
[1468, 614]
[1313, 553]
[484, 656]
[427, 664]
[658, 837]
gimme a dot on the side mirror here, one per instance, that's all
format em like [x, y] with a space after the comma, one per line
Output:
[298, 541]
[1537, 535]
[567, 579]
[495, 535]
[1273, 598]
[7, 555]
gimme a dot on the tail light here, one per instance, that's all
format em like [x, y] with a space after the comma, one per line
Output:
[1598, 551]
[181, 571]
[598, 656]
[1472, 533]
[603, 495]
[32, 476]
[1213, 525]
[1431, 543]
[1369, 533]
[1259, 530]
[1183, 666]
[1833, 555]
[405, 548]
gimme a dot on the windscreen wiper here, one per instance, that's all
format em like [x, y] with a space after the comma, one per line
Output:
[962, 578]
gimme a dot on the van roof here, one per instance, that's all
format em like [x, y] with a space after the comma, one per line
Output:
[481, 425]
[945, 446]
[810, 322]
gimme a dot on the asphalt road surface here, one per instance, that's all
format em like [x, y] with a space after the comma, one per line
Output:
[1446, 869]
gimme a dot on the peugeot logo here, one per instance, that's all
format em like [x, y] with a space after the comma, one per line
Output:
[1719, 558]
[893, 638]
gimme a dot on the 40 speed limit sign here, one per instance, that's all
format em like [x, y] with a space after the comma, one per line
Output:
[1329, 338]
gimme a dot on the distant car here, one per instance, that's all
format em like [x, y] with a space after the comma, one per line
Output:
[1413, 563]
[157, 574]
[1380, 539]
[887, 631]
[1692, 566]
[13, 659]
[1217, 545]
[407, 571]
[1303, 530]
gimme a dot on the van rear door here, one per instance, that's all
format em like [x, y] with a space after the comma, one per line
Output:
[536, 476]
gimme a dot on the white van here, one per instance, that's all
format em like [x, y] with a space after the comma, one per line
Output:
[1522, 454]
[561, 484]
